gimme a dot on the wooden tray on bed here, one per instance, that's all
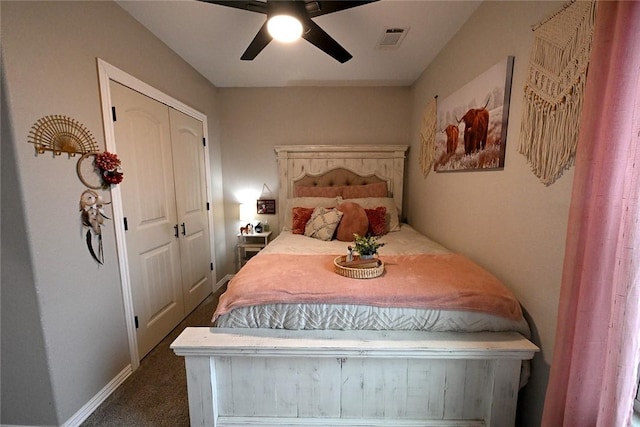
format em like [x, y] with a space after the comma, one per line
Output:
[358, 269]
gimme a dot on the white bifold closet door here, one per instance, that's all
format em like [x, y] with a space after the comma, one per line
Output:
[165, 208]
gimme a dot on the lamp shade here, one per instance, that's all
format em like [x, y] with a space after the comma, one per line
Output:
[247, 212]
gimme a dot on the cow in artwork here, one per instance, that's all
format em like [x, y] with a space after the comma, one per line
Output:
[476, 127]
[452, 133]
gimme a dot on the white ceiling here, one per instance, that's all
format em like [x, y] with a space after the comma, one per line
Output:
[212, 38]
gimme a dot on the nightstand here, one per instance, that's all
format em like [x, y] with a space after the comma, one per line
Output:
[251, 244]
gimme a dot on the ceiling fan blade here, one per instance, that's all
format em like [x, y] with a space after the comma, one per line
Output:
[252, 6]
[259, 42]
[303, 10]
[319, 8]
[323, 41]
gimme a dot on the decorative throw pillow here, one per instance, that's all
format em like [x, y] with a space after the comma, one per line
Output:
[300, 218]
[307, 202]
[354, 221]
[323, 223]
[377, 220]
[392, 217]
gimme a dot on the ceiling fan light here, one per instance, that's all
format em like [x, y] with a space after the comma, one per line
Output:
[284, 28]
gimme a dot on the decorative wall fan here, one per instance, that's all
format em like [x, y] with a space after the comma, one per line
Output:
[61, 134]
[294, 10]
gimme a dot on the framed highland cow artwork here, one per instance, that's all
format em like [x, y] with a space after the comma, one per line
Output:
[472, 122]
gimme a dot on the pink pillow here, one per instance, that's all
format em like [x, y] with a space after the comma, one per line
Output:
[379, 189]
[354, 220]
[377, 222]
[303, 191]
[392, 218]
[300, 218]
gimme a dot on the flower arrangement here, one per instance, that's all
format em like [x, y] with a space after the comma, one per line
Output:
[366, 246]
[109, 165]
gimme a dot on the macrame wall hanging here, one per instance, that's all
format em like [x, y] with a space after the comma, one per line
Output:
[428, 137]
[554, 89]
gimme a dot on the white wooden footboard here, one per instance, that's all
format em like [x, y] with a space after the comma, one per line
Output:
[266, 377]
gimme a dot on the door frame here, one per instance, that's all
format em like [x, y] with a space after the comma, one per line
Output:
[107, 73]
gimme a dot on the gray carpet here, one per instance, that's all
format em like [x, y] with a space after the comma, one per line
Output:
[156, 393]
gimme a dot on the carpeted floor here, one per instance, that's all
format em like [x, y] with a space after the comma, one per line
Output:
[156, 393]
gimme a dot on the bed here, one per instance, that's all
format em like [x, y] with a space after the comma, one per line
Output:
[434, 341]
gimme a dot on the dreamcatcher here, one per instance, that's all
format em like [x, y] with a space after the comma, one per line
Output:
[92, 214]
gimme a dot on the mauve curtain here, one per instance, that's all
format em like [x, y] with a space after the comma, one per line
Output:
[594, 368]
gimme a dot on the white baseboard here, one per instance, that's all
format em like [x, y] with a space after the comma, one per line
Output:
[78, 418]
[222, 282]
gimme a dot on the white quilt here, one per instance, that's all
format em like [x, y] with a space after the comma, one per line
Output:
[349, 316]
[403, 242]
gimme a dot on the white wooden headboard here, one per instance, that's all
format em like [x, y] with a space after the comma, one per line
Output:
[297, 161]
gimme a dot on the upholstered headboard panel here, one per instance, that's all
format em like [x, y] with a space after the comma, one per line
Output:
[338, 165]
[338, 177]
[340, 182]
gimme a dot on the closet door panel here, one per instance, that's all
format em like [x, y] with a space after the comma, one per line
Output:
[143, 141]
[191, 201]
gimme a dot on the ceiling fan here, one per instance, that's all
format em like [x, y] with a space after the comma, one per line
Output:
[298, 14]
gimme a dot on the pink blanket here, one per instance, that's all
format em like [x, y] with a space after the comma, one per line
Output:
[449, 282]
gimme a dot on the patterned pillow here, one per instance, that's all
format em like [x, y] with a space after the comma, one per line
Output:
[300, 218]
[306, 202]
[377, 220]
[323, 223]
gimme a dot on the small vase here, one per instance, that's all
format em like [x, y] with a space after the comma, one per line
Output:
[367, 256]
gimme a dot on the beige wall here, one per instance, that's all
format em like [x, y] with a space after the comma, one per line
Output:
[255, 120]
[506, 220]
[65, 339]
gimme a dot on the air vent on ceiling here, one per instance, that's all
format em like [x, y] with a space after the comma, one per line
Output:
[392, 37]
